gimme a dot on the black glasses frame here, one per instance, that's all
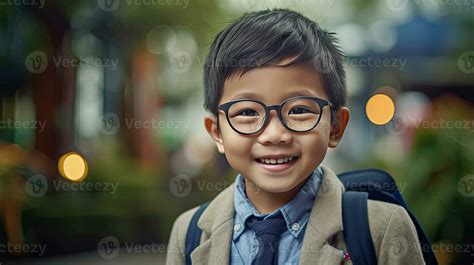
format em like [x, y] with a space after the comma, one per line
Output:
[321, 102]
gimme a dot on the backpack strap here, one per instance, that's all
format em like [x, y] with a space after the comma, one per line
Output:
[380, 186]
[356, 228]
[193, 236]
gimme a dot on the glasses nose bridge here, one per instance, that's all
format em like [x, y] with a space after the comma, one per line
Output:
[277, 109]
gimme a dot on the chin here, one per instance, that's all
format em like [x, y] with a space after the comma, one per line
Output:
[278, 187]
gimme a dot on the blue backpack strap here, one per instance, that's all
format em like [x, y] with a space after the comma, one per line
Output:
[356, 228]
[380, 186]
[193, 236]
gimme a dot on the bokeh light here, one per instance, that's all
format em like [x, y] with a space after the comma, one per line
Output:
[380, 109]
[73, 166]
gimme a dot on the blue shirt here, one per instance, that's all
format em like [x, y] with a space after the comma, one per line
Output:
[296, 213]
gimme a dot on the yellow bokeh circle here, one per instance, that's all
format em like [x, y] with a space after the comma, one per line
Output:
[72, 166]
[380, 109]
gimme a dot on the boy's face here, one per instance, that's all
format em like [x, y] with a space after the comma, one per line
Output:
[272, 85]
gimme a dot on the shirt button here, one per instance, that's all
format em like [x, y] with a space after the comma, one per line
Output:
[295, 226]
[237, 227]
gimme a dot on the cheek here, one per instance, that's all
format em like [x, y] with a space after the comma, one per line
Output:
[237, 147]
[324, 126]
[315, 145]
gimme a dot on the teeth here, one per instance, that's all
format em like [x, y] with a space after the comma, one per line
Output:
[276, 161]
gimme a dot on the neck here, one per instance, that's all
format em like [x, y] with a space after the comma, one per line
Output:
[266, 202]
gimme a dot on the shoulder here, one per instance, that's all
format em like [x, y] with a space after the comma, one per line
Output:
[393, 233]
[175, 251]
[382, 215]
[183, 220]
[217, 205]
[219, 211]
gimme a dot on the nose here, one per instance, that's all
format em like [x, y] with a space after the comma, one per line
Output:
[274, 132]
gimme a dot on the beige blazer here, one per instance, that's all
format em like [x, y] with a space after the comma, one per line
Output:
[393, 233]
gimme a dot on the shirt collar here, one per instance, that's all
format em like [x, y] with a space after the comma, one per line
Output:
[296, 212]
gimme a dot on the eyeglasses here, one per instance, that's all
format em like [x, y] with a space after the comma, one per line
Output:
[297, 114]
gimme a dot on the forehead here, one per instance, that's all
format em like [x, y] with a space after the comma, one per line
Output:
[273, 84]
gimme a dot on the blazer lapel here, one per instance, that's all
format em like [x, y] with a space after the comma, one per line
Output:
[324, 222]
[216, 223]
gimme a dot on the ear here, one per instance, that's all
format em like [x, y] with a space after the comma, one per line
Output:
[210, 122]
[338, 126]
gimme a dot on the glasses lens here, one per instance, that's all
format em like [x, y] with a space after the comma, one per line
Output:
[246, 116]
[301, 114]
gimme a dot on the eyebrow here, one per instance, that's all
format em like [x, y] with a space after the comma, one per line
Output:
[301, 92]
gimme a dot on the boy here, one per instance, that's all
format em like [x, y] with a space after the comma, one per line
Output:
[274, 112]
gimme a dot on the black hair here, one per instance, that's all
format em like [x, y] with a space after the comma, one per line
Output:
[266, 38]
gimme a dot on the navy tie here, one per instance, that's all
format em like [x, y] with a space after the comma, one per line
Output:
[268, 234]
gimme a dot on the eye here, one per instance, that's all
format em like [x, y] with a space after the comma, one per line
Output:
[300, 110]
[247, 112]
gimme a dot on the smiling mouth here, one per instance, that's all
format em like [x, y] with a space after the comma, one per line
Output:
[276, 165]
[277, 161]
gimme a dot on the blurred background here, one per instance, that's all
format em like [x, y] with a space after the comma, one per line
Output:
[102, 142]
